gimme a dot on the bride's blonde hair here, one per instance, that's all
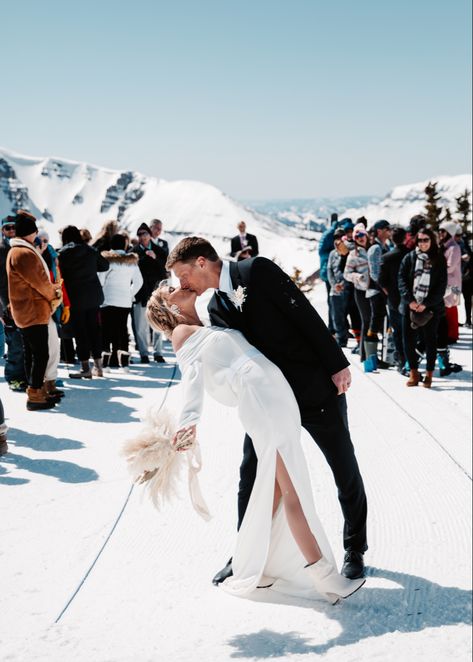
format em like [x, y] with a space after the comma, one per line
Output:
[160, 316]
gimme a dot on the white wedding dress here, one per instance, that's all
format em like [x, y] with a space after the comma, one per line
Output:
[236, 374]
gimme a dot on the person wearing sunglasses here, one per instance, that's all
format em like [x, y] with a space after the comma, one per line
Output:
[357, 272]
[422, 283]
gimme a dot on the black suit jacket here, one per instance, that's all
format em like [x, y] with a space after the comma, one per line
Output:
[281, 322]
[153, 270]
[252, 241]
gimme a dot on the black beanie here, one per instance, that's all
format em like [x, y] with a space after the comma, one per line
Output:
[118, 242]
[25, 223]
[143, 228]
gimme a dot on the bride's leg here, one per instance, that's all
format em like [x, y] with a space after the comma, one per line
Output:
[277, 496]
[295, 515]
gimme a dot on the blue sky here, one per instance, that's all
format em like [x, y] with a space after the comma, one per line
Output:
[264, 99]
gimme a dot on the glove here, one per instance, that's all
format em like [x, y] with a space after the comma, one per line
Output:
[65, 315]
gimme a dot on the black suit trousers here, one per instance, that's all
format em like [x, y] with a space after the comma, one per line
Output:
[328, 426]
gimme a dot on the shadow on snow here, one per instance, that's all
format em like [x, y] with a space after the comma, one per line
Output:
[417, 604]
[65, 472]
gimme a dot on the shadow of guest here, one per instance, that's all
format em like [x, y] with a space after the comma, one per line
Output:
[65, 472]
[408, 603]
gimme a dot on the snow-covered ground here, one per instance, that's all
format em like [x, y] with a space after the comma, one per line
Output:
[70, 526]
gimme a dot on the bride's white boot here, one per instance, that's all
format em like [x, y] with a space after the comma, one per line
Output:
[329, 583]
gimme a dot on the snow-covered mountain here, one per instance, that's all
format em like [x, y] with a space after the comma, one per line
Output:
[405, 201]
[61, 192]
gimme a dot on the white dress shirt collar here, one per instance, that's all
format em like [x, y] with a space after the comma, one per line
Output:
[225, 282]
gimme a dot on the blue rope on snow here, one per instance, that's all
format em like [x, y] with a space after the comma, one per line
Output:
[83, 580]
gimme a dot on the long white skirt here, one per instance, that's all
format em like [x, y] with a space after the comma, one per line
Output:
[265, 545]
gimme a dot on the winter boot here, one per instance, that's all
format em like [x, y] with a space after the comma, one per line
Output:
[428, 378]
[124, 360]
[3, 440]
[106, 361]
[446, 368]
[37, 399]
[97, 370]
[329, 583]
[84, 373]
[371, 351]
[369, 364]
[51, 389]
[50, 396]
[414, 378]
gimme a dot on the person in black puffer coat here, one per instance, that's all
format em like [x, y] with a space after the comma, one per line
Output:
[79, 264]
[388, 277]
[422, 283]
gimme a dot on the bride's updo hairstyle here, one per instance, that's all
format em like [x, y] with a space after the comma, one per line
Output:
[160, 316]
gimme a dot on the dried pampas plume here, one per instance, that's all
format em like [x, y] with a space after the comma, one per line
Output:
[151, 458]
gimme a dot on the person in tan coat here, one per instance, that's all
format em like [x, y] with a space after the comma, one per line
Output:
[32, 300]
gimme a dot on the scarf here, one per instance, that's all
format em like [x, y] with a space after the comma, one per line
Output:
[422, 269]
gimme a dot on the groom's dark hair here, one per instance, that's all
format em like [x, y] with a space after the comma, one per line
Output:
[189, 249]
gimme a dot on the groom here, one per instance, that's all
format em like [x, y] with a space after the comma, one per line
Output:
[256, 297]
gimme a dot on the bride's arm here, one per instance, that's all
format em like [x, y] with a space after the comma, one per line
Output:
[192, 396]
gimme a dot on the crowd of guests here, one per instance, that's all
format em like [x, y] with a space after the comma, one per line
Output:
[73, 302]
[386, 284]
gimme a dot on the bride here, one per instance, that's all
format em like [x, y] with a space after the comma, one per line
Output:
[281, 542]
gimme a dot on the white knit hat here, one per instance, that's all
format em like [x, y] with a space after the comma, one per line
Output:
[451, 227]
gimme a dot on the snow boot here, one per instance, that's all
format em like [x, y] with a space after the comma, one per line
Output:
[97, 370]
[428, 378]
[84, 373]
[124, 360]
[3, 440]
[37, 400]
[51, 389]
[414, 378]
[106, 361]
[329, 583]
[371, 351]
[446, 368]
[50, 396]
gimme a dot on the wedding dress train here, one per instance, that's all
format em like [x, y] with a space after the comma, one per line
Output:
[236, 374]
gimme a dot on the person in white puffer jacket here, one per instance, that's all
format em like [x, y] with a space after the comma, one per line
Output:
[120, 284]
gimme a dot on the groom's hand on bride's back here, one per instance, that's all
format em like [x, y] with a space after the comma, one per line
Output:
[342, 380]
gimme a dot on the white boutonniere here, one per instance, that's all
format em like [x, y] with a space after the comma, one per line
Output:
[238, 297]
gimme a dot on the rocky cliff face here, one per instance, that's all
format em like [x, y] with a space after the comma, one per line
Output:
[12, 189]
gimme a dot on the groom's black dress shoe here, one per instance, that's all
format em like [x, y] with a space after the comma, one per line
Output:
[222, 575]
[353, 565]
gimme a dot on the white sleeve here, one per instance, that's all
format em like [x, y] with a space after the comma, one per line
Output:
[192, 394]
[137, 282]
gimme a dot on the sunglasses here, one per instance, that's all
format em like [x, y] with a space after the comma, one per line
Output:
[423, 240]
[359, 235]
[9, 227]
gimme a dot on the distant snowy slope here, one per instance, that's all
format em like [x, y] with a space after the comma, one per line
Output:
[405, 201]
[61, 192]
